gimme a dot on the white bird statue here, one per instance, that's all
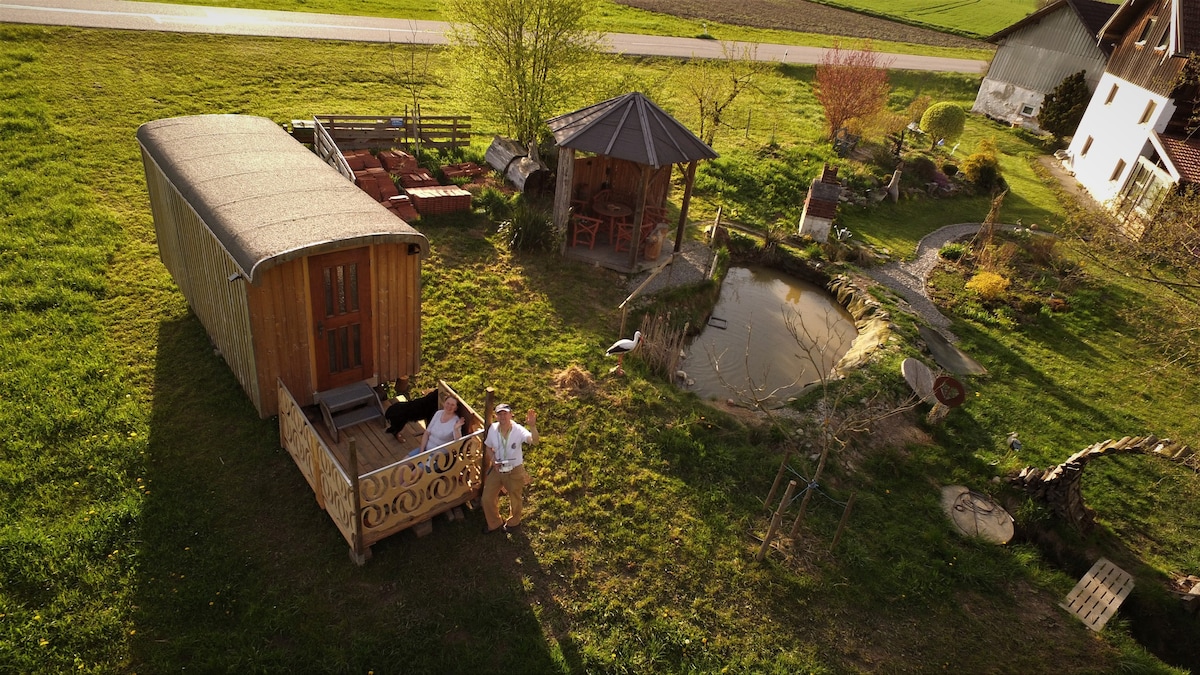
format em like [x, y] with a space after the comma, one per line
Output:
[622, 347]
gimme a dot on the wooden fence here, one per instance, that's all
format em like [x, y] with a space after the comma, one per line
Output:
[351, 132]
[373, 506]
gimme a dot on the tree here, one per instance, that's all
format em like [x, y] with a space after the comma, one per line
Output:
[1063, 108]
[943, 121]
[850, 84]
[716, 84]
[525, 57]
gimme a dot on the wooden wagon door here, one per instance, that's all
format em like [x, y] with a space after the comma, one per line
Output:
[341, 297]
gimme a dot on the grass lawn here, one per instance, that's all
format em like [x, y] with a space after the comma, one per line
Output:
[152, 522]
[976, 19]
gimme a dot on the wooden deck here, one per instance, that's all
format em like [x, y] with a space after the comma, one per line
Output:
[376, 448]
[604, 256]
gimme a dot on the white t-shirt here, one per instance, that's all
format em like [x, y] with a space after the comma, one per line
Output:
[507, 450]
[441, 433]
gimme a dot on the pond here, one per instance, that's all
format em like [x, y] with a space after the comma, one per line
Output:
[749, 346]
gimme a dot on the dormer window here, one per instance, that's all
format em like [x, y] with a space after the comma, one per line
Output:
[1146, 30]
[1164, 41]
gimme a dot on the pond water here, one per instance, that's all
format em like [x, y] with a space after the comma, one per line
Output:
[748, 345]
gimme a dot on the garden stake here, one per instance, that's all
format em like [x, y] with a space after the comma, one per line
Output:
[787, 498]
[842, 524]
[778, 479]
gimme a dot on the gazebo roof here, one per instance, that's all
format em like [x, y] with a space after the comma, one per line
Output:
[629, 127]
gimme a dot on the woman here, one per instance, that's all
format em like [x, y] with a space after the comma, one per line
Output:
[445, 426]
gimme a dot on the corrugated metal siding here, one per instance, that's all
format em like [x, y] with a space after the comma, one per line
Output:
[279, 314]
[1038, 57]
[1142, 64]
[201, 268]
[397, 277]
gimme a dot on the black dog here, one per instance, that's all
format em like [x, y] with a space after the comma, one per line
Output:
[417, 410]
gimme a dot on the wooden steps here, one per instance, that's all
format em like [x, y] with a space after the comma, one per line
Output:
[349, 405]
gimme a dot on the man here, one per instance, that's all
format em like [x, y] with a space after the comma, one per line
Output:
[506, 467]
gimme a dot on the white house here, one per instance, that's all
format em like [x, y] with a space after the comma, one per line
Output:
[1035, 54]
[1133, 142]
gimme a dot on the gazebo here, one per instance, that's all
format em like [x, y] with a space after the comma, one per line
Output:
[624, 175]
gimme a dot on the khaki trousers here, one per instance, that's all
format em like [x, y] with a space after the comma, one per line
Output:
[514, 483]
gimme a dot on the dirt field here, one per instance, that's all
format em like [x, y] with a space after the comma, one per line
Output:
[798, 15]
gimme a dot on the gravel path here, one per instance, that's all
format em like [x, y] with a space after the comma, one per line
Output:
[908, 278]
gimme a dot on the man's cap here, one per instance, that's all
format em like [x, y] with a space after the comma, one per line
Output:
[503, 407]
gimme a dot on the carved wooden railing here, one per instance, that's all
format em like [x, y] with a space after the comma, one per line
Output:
[418, 488]
[329, 481]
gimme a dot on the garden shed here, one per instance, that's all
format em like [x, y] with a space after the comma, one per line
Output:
[301, 279]
[614, 169]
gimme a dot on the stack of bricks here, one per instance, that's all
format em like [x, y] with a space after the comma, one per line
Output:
[439, 199]
[371, 177]
[465, 169]
[418, 178]
[402, 206]
[398, 162]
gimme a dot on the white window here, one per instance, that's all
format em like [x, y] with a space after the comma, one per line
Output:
[1117, 171]
[1148, 112]
[1027, 111]
[1087, 145]
[1112, 93]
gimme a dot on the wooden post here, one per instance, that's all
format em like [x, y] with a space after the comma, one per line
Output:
[842, 524]
[639, 214]
[787, 497]
[359, 553]
[778, 479]
[803, 509]
[689, 178]
[563, 193]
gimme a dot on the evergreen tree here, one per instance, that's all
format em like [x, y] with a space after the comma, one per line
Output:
[1063, 108]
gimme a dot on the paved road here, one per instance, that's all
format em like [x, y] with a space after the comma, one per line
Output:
[121, 14]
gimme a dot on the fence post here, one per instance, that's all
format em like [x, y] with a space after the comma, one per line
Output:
[787, 497]
[359, 554]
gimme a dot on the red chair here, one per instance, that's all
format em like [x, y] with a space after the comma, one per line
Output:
[586, 228]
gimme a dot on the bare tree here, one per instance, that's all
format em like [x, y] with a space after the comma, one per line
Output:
[714, 84]
[851, 84]
[411, 68]
[524, 57]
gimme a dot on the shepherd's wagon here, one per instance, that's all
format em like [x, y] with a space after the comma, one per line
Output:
[310, 290]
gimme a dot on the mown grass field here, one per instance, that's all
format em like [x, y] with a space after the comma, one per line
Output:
[151, 521]
[977, 18]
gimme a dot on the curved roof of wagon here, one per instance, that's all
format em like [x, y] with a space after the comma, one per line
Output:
[266, 198]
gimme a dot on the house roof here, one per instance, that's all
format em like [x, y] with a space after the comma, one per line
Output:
[629, 127]
[1091, 13]
[265, 197]
[1184, 156]
[1185, 22]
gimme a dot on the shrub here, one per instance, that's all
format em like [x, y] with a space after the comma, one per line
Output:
[998, 258]
[949, 169]
[953, 251]
[921, 166]
[988, 285]
[983, 168]
[530, 228]
[944, 121]
[1063, 108]
[496, 204]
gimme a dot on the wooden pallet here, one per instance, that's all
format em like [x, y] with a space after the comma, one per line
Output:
[1098, 594]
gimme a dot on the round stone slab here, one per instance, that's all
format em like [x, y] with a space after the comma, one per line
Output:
[976, 515]
[919, 377]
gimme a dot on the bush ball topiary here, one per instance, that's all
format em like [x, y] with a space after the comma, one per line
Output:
[943, 121]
